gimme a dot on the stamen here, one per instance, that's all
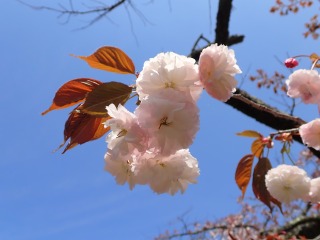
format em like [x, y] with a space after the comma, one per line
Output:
[164, 122]
[122, 133]
[169, 85]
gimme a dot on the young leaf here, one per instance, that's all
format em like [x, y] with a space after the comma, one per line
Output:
[81, 128]
[243, 172]
[250, 133]
[257, 147]
[72, 93]
[259, 186]
[258, 181]
[111, 59]
[315, 59]
[105, 94]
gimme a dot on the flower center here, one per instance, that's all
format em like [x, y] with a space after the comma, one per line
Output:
[160, 163]
[287, 188]
[122, 133]
[126, 166]
[169, 85]
[163, 122]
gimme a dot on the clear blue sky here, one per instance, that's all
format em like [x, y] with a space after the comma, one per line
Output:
[45, 195]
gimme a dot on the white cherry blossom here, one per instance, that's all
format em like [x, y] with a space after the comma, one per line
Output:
[168, 173]
[169, 71]
[120, 168]
[171, 121]
[126, 134]
[287, 183]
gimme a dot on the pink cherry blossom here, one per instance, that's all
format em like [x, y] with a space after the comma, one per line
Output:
[169, 71]
[170, 120]
[314, 194]
[217, 68]
[304, 84]
[310, 133]
[120, 168]
[168, 173]
[126, 134]
[287, 183]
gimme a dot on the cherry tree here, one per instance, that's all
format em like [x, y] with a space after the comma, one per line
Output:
[150, 146]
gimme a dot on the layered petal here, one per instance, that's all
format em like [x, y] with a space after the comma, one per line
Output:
[217, 68]
[169, 71]
[168, 173]
[126, 134]
[287, 183]
[310, 133]
[314, 194]
[304, 84]
[170, 120]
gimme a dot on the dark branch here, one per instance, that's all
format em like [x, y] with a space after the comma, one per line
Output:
[223, 18]
[263, 113]
[213, 228]
[99, 11]
[308, 227]
[222, 30]
[242, 101]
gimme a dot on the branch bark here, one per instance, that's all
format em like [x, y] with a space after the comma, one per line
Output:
[241, 100]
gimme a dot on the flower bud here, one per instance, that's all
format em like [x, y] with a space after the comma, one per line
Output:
[291, 62]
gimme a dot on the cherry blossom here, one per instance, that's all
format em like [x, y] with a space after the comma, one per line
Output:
[126, 134]
[120, 168]
[168, 173]
[304, 84]
[169, 71]
[287, 183]
[314, 194]
[170, 120]
[310, 133]
[217, 68]
[164, 174]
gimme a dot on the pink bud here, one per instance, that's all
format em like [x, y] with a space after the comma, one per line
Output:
[291, 63]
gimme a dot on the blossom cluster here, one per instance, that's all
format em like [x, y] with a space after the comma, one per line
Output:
[287, 183]
[305, 84]
[151, 145]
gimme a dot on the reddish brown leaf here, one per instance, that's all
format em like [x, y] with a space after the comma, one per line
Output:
[243, 172]
[111, 59]
[258, 183]
[250, 133]
[81, 128]
[257, 147]
[105, 94]
[72, 93]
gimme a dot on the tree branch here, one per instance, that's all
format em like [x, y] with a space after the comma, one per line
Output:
[206, 229]
[241, 100]
[100, 11]
[308, 227]
[266, 114]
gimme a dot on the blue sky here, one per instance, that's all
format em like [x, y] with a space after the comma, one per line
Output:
[45, 195]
